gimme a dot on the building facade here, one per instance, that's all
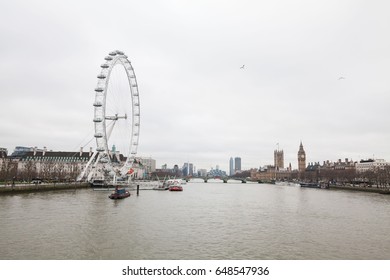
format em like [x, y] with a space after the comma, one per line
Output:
[149, 164]
[51, 165]
[187, 169]
[339, 165]
[30, 163]
[216, 172]
[237, 164]
[202, 172]
[231, 167]
[370, 165]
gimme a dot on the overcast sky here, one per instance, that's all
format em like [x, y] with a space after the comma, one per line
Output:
[197, 105]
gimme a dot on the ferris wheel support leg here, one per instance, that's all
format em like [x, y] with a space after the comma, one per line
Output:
[81, 176]
[99, 155]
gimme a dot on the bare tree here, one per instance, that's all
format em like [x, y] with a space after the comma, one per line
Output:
[47, 170]
[8, 170]
[29, 171]
[59, 171]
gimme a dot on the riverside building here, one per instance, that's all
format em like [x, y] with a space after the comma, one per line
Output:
[60, 165]
[371, 165]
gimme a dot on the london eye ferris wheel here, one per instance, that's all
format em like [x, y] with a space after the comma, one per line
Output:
[116, 119]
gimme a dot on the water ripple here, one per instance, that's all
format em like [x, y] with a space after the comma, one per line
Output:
[205, 221]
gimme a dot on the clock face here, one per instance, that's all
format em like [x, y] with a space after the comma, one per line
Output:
[302, 156]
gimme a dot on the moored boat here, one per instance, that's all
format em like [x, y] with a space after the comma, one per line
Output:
[315, 185]
[163, 186]
[98, 183]
[119, 193]
[175, 186]
[310, 185]
[160, 188]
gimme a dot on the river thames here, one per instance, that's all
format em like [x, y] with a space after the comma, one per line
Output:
[207, 221]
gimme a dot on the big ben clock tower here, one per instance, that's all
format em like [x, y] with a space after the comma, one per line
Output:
[301, 158]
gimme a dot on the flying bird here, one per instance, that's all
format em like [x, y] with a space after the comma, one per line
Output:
[242, 67]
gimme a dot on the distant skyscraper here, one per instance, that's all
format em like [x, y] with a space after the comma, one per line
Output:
[231, 167]
[279, 159]
[188, 169]
[301, 159]
[237, 164]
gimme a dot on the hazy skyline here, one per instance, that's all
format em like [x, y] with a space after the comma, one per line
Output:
[197, 104]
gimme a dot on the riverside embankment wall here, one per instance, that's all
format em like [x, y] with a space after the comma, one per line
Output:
[360, 189]
[20, 188]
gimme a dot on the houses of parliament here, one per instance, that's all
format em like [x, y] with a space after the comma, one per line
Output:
[278, 170]
[341, 170]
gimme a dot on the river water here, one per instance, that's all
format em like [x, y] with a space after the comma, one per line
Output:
[206, 221]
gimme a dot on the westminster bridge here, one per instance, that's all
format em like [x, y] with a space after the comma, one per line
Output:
[225, 179]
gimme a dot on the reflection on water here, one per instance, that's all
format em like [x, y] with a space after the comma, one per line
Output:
[205, 221]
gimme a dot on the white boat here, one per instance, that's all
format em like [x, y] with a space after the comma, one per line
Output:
[175, 185]
[161, 186]
[166, 184]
